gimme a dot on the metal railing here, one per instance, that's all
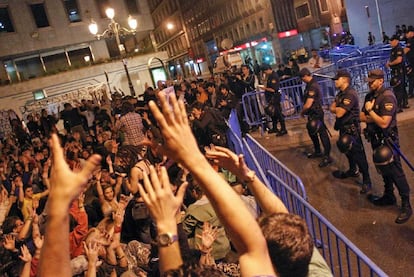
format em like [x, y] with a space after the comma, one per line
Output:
[269, 164]
[343, 257]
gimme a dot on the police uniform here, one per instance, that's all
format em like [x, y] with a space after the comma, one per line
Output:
[315, 114]
[398, 77]
[275, 99]
[349, 125]
[392, 172]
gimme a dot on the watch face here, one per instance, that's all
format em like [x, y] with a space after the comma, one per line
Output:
[164, 239]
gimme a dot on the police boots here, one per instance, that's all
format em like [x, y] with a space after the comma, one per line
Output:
[405, 211]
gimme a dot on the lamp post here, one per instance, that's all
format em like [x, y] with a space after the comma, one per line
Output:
[115, 30]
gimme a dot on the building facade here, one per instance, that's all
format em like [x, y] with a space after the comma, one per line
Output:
[377, 17]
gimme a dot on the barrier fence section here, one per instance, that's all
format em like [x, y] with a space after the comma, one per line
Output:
[268, 163]
[343, 257]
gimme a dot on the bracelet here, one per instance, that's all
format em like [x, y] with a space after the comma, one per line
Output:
[206, 252]
[29, 218]
[117, 229]
[368, 111]
[80, 207]
[120, 258]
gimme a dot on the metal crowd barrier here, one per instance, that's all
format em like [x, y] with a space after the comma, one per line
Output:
[342, 256]
[269, 164]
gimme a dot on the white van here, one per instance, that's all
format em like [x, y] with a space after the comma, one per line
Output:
[225, 62]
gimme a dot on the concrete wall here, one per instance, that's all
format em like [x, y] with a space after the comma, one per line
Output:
[21, 94]
[392, 12]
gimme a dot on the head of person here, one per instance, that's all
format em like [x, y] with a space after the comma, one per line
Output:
[126, 158]
[108, 192]
[195, 190]
[267, 69]
[394, 41]
[28, 191]
[211, 87]
[127, 107]
[67, 106]
[245, 69]
[197, 109]
[375, 79]
[314, 53]
[410, 32]
[289, 242]
[342, 79]
[12, 224]
[305, 75]
[224, 89]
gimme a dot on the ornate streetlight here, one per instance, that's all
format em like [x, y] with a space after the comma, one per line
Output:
[115, 30]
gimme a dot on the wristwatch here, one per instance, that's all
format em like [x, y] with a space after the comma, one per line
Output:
[166, 239]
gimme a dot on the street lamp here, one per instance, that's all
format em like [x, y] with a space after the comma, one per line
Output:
[114, 29]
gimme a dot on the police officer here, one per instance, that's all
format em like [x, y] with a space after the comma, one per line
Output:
[409, 54]
[273, 96]
[346, 109]
[379, 112]
[312, 107]
[396, 64]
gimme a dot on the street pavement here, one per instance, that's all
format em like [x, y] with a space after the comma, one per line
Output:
[370, 228]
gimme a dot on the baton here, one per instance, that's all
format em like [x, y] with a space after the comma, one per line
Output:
[396, 148]
[322, 75]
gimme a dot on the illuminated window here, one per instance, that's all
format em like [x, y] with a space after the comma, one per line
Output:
[72, 10]
[323, 4]
[5, 22]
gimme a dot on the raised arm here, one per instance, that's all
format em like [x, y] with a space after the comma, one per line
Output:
[180, 145]
[267, 200]
[65, 186]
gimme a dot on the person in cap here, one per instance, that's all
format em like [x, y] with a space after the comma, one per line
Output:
[312, 107]
[380, 114]
[273, 97]
[346, 109]
[396, 64]
[409, 54]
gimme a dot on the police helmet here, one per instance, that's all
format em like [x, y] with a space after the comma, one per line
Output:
[345, 143]
[314, 126]
[383, 155]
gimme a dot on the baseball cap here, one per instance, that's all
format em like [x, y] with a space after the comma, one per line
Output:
[395, 37]
[374, 75]
[342, 73]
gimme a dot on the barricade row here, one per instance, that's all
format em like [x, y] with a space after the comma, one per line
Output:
[343, 257]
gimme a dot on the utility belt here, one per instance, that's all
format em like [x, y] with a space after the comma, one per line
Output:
[351, 129]
[377, 137]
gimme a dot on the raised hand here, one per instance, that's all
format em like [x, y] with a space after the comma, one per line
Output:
[91, 251]
[159, 198]
[66, 185]
[207, 237]
[25, 256]
[9, 242]
[38, 241]
[229, 160]
[175, 129]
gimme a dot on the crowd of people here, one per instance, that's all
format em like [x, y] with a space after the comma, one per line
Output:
[147, 187]
[128, 190]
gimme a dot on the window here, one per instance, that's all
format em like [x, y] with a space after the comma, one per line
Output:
[323, 4]
[102, 6]
[132, 6]
[72, 10]
[39, 15]
[5, 22]
[302, 11]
